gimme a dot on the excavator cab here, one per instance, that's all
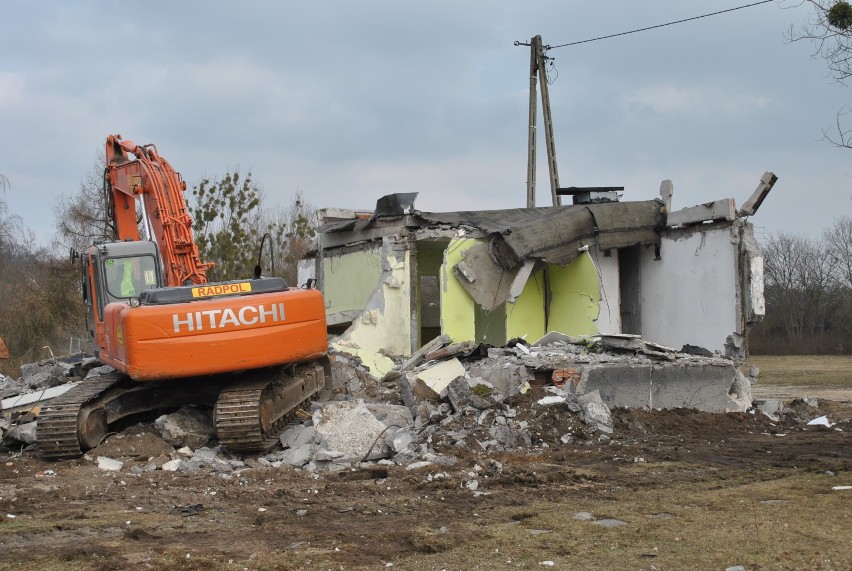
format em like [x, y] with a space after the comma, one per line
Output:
[118, 272]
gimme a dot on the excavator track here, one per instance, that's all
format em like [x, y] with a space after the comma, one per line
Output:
[78, 420]
[250, 414]
[59, 430]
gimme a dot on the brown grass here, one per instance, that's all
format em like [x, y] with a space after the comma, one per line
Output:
[792, 522]
[804, 370]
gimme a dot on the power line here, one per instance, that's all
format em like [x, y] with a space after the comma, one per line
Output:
[657, 26]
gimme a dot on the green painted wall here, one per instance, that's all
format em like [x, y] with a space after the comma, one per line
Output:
[574, 306]
[457, 311]
[575, 297]
[525, 317]
[349, 280]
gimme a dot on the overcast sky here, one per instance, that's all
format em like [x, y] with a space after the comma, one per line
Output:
[348, 101]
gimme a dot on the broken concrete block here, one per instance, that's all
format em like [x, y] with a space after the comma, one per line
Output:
[399, 440]
[377, 364]
[507, 380]
[439, 376]
[349, 427]
[724, 209]
[418, 355]
[595, 411]
[666, 194]
[740, 392]
[556, 337]
[98, 371]
[464, 271]
[327, 455]
[462, 395]
[9, 387]
[109, 464]
[391, 414]
[187, 427]
[426, 412]
[770, 407]
[171, 465]
[509, 438]
[46, 377]
[205, 455]
[25, 433]
[767, 181]
[465, 348]
[415, 392]
[298, 456]
[696, 350]
[404, 458]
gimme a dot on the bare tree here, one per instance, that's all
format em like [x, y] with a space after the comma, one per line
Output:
[293, 231]
[83, 217]
[800, 284]
[40, 302]
[838, 243]
[830, 30]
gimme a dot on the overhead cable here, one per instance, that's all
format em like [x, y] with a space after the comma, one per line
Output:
[657, 26]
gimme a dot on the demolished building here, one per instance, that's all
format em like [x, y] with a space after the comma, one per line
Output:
[647, 280]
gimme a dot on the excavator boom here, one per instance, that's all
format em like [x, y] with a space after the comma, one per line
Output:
[149, 177]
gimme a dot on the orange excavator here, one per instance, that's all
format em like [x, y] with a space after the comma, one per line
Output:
[252, 349]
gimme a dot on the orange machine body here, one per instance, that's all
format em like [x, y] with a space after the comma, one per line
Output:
[214, 335]
[151, 313]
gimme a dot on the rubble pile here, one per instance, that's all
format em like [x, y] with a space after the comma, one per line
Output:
[445, 403]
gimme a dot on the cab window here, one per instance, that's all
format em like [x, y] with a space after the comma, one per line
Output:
[127, 277]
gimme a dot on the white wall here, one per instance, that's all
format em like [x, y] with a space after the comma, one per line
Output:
[690, 296]
[609, 318]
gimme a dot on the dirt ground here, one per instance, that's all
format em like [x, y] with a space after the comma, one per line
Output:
[684, 488]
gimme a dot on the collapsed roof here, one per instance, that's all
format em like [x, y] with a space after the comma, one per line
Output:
[516, 234]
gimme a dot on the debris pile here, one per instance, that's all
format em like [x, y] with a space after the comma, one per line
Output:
[445, 403]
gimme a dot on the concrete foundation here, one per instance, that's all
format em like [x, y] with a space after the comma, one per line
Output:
[702, 386]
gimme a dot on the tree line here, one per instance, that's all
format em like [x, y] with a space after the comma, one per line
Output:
[808, 291]
[41, 306]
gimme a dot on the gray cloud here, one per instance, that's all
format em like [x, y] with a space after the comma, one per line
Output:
[348, 101]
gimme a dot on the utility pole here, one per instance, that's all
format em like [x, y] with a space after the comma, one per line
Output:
[538, 72]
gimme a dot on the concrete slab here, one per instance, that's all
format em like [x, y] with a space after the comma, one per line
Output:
[724, 209]
[439, 376]
[671, 385]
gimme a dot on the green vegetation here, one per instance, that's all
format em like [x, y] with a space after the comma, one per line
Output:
[226, 226]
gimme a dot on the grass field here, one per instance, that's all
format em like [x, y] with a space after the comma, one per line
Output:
[804, 370]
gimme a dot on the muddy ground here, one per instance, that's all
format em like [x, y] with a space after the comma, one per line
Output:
[73, 515]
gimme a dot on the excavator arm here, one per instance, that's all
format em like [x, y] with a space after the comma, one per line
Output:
[151, 179]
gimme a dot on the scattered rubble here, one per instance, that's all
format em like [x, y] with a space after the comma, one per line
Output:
[189, 426]
[452, 401]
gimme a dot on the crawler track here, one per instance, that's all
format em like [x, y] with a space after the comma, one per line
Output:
[250, 411]
[250, 415]
[58, 428]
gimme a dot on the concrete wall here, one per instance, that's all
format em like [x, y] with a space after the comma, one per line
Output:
[574, 305]
[575, 297]
[609, 318]
[690, 296]
[350, 279]
[457, 312]
[525, 317]
[384, 325]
